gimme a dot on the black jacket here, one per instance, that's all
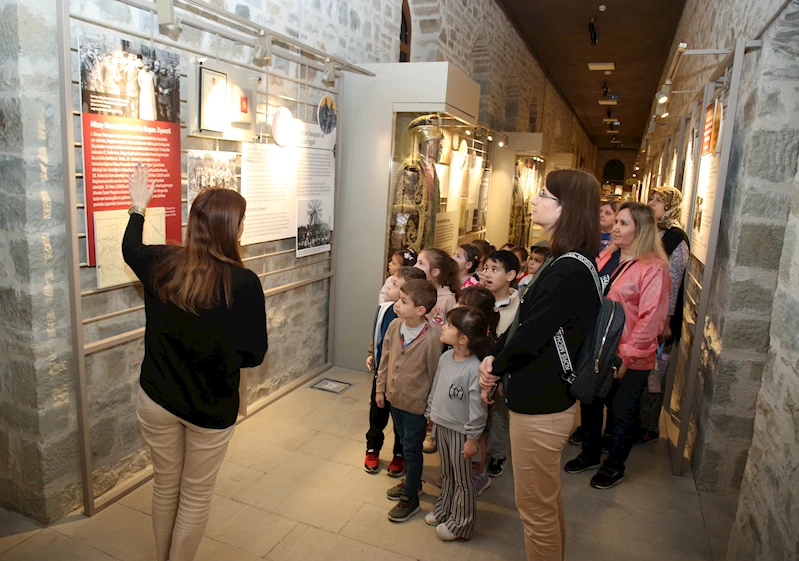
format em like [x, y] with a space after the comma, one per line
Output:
[192, 363]
[564, 296]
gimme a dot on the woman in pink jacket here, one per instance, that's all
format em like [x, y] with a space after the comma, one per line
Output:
[635, 271]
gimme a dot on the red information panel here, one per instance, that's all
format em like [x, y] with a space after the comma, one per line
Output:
[112, 146]
[707, 134]
[130, 101]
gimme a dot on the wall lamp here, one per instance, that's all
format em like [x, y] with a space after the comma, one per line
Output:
[664, 93]
[168, 24]
[329, 75]
[262, 54]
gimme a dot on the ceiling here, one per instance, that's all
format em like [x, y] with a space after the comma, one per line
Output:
[635, 34]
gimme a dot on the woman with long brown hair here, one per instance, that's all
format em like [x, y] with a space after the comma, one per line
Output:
[636, 273]
[206, 320]
[563, 296]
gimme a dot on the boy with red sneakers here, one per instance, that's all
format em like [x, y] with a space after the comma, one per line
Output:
[378, 417]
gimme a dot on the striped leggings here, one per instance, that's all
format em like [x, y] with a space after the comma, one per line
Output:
[457, 504]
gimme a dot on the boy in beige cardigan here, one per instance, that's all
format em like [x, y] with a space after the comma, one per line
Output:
[411, 350]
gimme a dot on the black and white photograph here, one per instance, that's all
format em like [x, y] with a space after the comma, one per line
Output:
[327, 114]
[208, 169]
[128, 79]
[314, 217]
[698, 213]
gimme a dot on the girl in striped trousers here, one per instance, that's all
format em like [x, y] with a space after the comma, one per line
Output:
[456, 408]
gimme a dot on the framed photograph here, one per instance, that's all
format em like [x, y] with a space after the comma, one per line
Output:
[213, 101]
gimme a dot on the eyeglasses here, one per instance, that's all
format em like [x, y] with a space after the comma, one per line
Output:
[543, 195]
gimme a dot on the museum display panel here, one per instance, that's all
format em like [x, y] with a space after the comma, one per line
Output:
[410, 177]
[239, 107]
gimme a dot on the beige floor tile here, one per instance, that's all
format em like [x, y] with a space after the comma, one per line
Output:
[306, 543]
[212, 550]
[233, 478]
[413, 538]
[653, 498]
[260, 455]
[719, 513]
[15, 529]
[141, 499]
[341, 450]
[328, 508]
[52, 546]
[122, 532]
[247, 528]
[351, 423]
[288, 435]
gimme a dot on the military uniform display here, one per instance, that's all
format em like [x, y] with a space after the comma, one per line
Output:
[415, 199]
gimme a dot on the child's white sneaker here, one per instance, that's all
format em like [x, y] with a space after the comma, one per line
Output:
[431, 519]
[444, 533]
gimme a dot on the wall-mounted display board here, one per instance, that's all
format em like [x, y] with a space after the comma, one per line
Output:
[708, 149]
[130, 113]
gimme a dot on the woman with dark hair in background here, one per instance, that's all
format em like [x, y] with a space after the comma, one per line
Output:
[206, 320]
[541, 407]
[635, 268]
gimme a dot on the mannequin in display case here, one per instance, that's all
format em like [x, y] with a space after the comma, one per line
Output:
[416, 193]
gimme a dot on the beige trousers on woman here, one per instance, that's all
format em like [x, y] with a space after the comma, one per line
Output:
[537, 442]
[186, 459]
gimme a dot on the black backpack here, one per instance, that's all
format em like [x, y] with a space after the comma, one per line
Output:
[598, 360]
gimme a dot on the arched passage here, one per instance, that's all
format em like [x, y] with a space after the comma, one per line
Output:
[613, 171]
[405, 33]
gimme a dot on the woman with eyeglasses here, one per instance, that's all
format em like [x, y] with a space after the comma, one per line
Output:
[636, 269]
[542, 410]
[666, 202]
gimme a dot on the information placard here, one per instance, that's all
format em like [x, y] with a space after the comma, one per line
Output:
[130, 103]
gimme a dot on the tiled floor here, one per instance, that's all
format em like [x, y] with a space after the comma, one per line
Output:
[293, 489]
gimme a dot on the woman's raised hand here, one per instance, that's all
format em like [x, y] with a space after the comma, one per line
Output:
[141, 190]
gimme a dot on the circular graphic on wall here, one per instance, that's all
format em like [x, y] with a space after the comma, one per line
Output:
[327, 114]
[283, 126]
[463, 152]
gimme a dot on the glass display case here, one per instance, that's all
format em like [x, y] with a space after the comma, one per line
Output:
[528, 179]
[439, 182]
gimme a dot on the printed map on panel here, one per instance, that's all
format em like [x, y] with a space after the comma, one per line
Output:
[109, 227]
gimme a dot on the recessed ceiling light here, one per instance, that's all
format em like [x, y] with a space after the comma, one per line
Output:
[602, 8]
[608, 72]
[608, 102]
[610, 120]
[601, 66]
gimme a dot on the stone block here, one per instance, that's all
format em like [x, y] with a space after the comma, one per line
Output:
[772, 155]
[747, 334]
[60, 456]
[12, 211]
[5, 453]
[19, 418]
[21, 498]
[750, 295]
[760, 245]
[11, 138]
[101, 437]
[786, 319]
[766, 204]
[12, 174]
[711, 469]
[16, 308]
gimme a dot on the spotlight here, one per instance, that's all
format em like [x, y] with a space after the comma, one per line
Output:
[329, 76]
[168, 24]
[664, 93]
[468, 132]
[262, 54]
[490, 138]
[501, 144]
[662, 110]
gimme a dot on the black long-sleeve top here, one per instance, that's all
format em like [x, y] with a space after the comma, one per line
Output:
[565, 296]
[192, 362]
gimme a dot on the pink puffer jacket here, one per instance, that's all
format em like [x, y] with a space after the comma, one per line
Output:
[643, 291]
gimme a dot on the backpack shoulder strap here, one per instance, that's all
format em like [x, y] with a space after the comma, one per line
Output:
[591, 267]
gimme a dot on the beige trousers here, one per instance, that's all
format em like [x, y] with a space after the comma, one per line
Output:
[186, 459]
[537, 442]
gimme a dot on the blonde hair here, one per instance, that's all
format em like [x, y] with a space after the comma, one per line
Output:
[647, 244]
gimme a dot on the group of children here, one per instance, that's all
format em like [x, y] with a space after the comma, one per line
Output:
[438, 317]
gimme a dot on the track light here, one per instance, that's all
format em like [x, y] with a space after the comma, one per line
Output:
[662, 110]
[664, 93]
[490, 138]
[329, 76]
[168, 24]
[262, 54]
[468, 132]
[501, 144]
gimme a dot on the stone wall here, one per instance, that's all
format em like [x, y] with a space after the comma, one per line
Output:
[742, 424]
[39, 472]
